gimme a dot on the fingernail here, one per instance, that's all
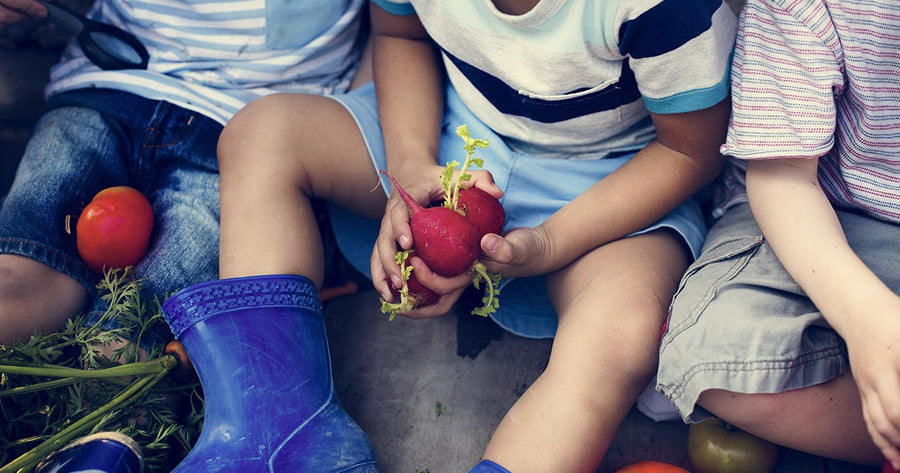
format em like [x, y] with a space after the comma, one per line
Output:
[491, 243]
[396, 281]
[404, 241]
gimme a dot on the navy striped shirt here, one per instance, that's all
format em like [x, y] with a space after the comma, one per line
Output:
[581, 76]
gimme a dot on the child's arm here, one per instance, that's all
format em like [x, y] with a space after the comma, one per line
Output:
[801, 226]
[683, 158]
[409, 88]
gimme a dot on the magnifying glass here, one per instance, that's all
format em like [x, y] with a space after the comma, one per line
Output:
[107, 46]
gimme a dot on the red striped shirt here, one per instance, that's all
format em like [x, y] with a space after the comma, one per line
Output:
[820, 78]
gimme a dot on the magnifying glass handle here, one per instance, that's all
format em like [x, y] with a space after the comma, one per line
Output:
[107, 46]
[65, 17]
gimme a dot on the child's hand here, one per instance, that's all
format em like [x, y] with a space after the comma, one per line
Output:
[424, 185]
[875, 360]
[521, 252]
[12, 11]
[449, 289]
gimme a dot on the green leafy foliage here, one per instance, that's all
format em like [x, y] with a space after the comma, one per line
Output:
[491, 299]
[83, 379]
[451, 188]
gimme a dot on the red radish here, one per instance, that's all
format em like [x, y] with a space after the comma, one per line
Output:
[482, 209]
[443, 238]
[419, 295]
[888, 468]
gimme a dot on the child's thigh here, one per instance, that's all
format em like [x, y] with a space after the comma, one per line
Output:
[303, 141]
[612, 302]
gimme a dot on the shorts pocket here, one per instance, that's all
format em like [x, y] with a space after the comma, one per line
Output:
[702, 280]
[293, 24]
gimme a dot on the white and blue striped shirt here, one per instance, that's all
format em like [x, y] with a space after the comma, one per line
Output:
[215, 56]
[581, 76]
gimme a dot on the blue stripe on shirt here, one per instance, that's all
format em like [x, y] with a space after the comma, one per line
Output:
[509, 101]
[690, 101]
[652, 34]
[395, 8]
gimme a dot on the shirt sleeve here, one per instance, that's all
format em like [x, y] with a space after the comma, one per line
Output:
[679, 51]
[787, 69]
[396, 7]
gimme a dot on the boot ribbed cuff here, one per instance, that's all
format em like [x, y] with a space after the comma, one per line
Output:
[200, 301]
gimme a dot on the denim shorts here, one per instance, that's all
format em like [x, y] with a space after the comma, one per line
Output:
[91, 139]
[739, 322]
[534, 187]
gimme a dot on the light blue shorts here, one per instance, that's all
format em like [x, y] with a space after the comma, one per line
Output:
[739, 322]
[534, 188]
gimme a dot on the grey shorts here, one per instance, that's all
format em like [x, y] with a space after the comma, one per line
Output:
[740, 323]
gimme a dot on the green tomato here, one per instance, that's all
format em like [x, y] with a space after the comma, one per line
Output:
[714, 446]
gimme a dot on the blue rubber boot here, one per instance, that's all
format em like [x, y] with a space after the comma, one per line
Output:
[487, 466]
[259, 348]
[103, 452]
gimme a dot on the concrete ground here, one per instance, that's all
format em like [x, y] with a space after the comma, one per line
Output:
[430, 392]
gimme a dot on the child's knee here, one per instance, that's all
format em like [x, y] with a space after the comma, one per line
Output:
[26, 304]
[253, 127]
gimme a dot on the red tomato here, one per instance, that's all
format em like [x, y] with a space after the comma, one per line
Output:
[651, 467]
[113, 231]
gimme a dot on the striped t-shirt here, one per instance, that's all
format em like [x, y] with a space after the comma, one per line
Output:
[820, 78]
[215, 56]
[579, 76]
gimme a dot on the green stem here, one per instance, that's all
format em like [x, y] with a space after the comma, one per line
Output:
[38, 387]
[490, 299]
[129, 369]
[29, 459]
[24, 441]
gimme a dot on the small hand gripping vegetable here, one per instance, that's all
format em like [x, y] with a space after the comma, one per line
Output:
[113, 230]
[443, 238]
[412, 295]
[448, 238]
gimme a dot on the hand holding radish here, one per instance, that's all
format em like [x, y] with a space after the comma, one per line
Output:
[446, 239]
[395, 231]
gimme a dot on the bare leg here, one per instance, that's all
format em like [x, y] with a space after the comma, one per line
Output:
[274, 156]
[824, 420]
[35, 298]
[611, 305]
